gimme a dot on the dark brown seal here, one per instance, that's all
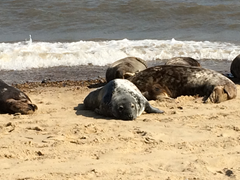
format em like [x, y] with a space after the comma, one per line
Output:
[125, 68]
[235, 67]
[12, 100]
[173, 81]
[187, 61]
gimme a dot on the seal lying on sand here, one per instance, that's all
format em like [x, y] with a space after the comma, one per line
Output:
[187, 61]
[12, 100]
[120, 99]
[124, 68]
[173, 81]
[235, 67]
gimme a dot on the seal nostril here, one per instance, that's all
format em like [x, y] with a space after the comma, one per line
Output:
[121, 107]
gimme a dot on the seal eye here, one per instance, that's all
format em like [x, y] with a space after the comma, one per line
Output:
[132, 106]
[156, 89]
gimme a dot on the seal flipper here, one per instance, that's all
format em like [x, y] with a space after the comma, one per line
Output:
[151, 109]
[222, 93]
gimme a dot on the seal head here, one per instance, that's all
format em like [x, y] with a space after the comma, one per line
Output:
[124, 107]
[184, 61]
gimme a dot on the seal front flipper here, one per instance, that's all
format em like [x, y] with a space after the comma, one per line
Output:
[151, 109]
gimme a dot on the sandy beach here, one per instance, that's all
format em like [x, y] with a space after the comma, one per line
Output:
[190, 141]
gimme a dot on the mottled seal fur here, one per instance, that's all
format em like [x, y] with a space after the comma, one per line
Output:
[12, 100]
[186, 61]
[125, 68]
[173, 81]
[119, 99]
[235, 67]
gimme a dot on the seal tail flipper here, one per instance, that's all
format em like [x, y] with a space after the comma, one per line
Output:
[20, 106]
[151, 109]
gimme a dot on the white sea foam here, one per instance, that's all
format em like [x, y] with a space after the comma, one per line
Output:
[31, 54]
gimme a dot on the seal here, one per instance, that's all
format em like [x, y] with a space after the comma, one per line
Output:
[12, 100]
[186, 61]
[120, 99]
[173, 81]
[125, 68]
[235, 67]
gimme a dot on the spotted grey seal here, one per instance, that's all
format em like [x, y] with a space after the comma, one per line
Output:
[120, 99]
[187, 61]
[125, 68]
[235, 67]
[173, 81]
[12, 100]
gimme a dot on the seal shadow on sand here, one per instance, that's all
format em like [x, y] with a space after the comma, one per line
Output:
[81, 111]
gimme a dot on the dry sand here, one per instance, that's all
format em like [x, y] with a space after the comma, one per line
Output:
[190, 141]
